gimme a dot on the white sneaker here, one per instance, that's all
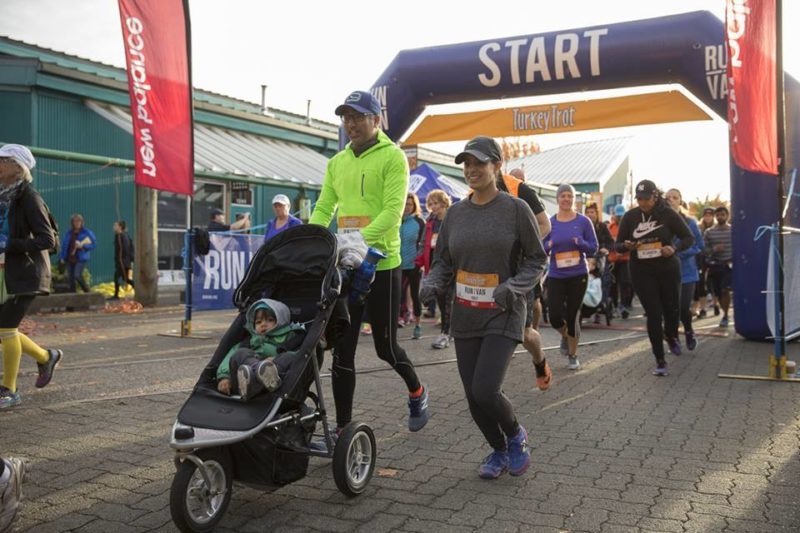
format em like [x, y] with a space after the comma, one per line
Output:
[441, 342]
[11, 489]
[267, 374]
[574, 364]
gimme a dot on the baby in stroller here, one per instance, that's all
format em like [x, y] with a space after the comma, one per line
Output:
[251, 361]
[593, 301]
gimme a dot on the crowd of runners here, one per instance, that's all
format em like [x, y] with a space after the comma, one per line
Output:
[493, 263]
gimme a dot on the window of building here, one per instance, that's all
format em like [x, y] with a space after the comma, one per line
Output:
[242, 194]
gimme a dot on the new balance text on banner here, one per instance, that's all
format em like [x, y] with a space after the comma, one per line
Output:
[217, 274]
[750, 36]
[156, 39]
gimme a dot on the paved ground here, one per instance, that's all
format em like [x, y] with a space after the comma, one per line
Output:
[615, 449]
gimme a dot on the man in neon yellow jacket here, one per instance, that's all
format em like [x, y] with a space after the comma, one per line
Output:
[365, 186]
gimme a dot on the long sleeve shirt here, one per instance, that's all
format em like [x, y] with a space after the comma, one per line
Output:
[568, 245]
[488, 248]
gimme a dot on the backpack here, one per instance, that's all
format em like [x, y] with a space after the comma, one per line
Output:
[56, 249]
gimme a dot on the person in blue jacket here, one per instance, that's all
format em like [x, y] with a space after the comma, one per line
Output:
[75, 251]
[689, 273]
[283, 218]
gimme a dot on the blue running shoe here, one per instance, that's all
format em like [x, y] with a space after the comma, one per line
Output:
[691, 340]
[8, 398]
[418, 411]
[495, 465]
[674, 346]
[661, 370]
[519, 454]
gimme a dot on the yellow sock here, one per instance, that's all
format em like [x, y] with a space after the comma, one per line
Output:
[34, 350]
[12, 353]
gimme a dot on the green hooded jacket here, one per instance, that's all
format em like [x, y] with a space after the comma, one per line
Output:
[264, 346]
[370, 194]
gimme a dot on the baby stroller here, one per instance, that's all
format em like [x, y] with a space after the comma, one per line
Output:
[265, 442]
[597, 300]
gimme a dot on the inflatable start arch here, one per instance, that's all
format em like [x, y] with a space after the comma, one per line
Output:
[687, 49]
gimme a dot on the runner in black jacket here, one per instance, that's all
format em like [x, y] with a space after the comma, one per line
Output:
[649, 231]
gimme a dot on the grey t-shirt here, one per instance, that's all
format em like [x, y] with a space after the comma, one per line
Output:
[492, 252]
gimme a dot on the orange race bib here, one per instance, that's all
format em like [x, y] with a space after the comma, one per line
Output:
[649, 250]
[351, 224]
[476, 290]
[568, 259]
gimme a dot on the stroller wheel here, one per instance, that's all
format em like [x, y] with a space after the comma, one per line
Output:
[354, 458]
[197, 502]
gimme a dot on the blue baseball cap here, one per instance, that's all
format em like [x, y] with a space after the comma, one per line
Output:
[361, 101]
[619, 210]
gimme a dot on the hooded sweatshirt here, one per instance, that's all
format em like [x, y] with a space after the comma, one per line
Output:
[264, 346]
[367, 191]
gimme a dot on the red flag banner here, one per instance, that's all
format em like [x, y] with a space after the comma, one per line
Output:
[750, 34]
[156, 38]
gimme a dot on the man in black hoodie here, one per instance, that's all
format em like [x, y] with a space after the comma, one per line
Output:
[123, 257]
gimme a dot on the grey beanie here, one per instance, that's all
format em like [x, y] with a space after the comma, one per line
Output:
[564, 187]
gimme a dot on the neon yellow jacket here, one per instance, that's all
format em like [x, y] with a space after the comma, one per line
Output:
[370, 194]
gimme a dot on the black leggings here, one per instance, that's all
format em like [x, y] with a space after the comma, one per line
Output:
[444, 299]
[482, 365]
[659, 290]
[687, 296]
[13, 310]
[411, 279]
[383, 306]
[564, 299]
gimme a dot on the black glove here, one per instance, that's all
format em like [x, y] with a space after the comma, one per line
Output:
[504, 297]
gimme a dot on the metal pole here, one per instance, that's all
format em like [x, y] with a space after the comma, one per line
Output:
[780, 325]
[188, 270]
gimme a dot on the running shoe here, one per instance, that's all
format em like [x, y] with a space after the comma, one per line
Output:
[724, 322]
[245, 381]
[625, 313]
[661, 369]
[544, 375]
[564, 348]
[418, 411]
[267, 374]
[574, 364]
[46, 369]
[519, 454]
[691, 340]
[701, 314]
[321, 445]
[674, 345]
[366, 329]
[401, 323]
[441, 342]
[495, 465]
[8, 398]
[11, 490]
[597, 318]
[417, 332]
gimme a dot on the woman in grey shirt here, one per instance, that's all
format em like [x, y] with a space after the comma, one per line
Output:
[490, 245]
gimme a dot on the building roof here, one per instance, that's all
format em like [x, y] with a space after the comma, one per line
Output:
[585, 162]
[228, 151]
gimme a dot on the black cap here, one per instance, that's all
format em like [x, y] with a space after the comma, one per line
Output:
[217, 211]
[645, 189]
[484, 148]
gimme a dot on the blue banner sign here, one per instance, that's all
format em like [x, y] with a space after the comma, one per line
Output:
[217, 274]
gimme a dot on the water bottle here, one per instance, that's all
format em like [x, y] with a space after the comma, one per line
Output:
[364, 275]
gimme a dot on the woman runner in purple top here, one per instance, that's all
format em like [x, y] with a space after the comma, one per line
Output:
[572, 237]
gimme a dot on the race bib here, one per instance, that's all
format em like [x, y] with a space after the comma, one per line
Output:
[351, 224]
[434, 239]
[649, 250]
[568, 259]
[476, 290]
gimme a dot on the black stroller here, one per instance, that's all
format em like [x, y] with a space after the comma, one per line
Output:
[265, 442]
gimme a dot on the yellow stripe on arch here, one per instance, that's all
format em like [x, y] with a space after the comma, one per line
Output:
[633, 110]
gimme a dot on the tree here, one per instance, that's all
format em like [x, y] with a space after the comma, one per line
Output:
[518, 148]
[697, 206]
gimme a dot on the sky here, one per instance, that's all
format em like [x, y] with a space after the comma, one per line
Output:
[322, 50]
